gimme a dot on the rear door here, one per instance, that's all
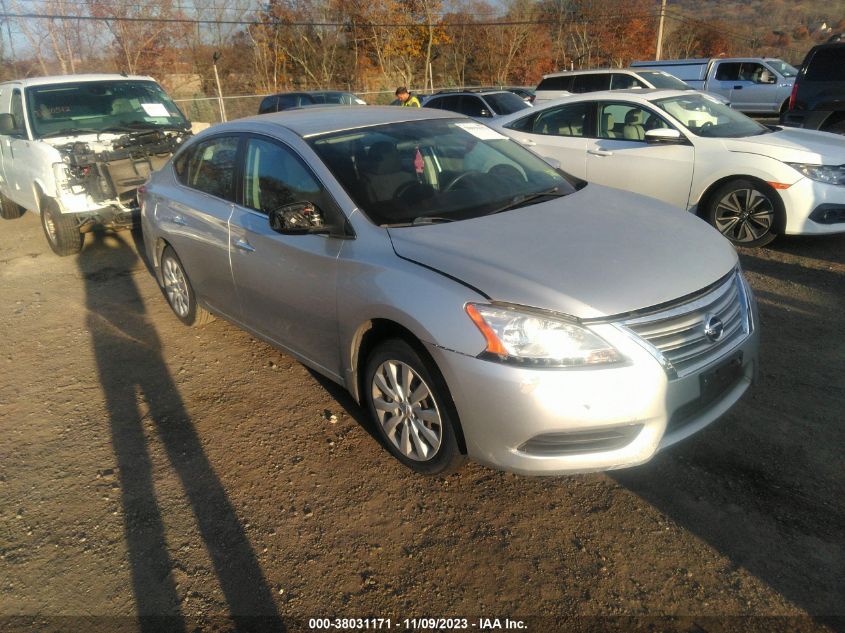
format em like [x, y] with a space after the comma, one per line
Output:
[559, 132]
[195, 214]
[723, 77]
[286, 283]
[620, 157]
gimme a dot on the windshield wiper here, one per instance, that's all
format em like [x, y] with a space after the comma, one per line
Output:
[69, 131]
[523, 200]
[420, 220]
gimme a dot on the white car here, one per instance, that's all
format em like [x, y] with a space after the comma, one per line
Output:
[750, 181]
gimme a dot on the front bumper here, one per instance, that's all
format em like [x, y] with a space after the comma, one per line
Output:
[803, 199]
[503, 409]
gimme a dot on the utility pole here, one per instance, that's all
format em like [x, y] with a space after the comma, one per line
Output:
[659, 50]
[220, 103]
[9, 32]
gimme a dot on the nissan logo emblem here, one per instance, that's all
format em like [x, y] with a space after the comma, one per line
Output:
[713, 328]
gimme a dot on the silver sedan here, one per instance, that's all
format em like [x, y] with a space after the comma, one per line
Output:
[475, 299]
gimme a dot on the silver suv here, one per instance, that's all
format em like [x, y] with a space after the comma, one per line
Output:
[474, 299]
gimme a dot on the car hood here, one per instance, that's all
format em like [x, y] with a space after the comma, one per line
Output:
[595, 253]
[793, 145]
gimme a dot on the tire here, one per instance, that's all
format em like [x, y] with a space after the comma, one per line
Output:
[8, 209]
[745, 212]
[60, 229]
[419, 430]
[179, 292]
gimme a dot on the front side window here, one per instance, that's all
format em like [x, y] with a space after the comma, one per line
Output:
[705, 116]
[752, 71]
[471, 106]
[619, 81]
[209, 166]
[445, 169]
[17, 112]
[627, 121]
[274, 177]
[591, 83]
[100, 106]
[568, 120]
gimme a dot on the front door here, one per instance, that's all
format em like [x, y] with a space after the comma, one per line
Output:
[20, 157]
[620, 157]
[286, 283]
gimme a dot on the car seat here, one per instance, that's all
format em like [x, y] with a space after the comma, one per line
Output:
[633, 130]
[384, 174]
[607, 124]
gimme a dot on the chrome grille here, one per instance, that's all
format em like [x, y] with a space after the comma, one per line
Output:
[678, 335]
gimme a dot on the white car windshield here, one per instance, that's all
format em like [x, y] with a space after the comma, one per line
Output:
[100, 106]
[436, 170]
[704, 116]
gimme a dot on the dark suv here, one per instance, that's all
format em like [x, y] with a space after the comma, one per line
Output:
[818, 96]
[288, 100]
[479, 104]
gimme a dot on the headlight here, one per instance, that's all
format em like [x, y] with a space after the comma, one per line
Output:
[534, 339]
[832, 175]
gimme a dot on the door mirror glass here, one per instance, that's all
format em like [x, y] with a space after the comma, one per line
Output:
[485, 112]
[298, 218]
[663, 135]
[7, 123]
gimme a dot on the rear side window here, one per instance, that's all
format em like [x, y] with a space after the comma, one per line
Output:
[268, 104]
[590, 83]
[827, 64]
[729, 71]
[209, 166]
[471, 106]
[556, 83]
[452, 103]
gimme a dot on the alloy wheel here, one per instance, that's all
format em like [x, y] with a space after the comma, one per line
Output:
[407, 411]
[176, 287]
[744, 215]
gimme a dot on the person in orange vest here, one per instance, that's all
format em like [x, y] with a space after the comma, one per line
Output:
[406, 99]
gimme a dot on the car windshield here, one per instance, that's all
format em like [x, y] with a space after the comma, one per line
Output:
[783, 68]
[505, 102]
[660, 79]
[100, 106]
[440, 170]
[704, 116]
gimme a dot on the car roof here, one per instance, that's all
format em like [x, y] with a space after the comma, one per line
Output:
[470, 91]
[592, 71]
[73, 79]
[317, 120]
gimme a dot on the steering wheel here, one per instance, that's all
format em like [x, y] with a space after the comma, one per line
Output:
[506, 172]
[417, 189]
[705, 125]
[460, 178]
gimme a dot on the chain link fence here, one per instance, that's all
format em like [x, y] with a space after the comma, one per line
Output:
[203, 111]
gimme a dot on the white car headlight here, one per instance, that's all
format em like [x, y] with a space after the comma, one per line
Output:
[830, 174]
[534, 339]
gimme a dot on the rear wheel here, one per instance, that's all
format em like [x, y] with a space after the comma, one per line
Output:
[745, 212]
[179, 292]
[412, 409]
[8, 209]
[61, 229]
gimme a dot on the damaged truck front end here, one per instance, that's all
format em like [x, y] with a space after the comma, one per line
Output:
[97, 180]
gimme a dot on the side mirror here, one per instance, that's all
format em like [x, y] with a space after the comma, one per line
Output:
[554, 162]
[298, 218]
[7, 123]
[769, 79]
[664, 135]
[485, 112]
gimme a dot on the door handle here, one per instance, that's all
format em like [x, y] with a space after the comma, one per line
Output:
[737, 87]
[599, 152]
[528, 142]
[245, 246]
[178, 219]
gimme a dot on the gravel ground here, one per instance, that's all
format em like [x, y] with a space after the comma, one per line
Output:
[147, 468]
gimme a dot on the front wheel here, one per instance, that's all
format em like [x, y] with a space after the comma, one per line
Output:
[61, 230]
[179, 292]
[745, 212]
[412, 409]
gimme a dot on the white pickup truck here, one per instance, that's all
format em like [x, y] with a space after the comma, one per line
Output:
[75, 148]
[756, 85]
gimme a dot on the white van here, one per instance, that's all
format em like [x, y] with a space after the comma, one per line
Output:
[75, 148]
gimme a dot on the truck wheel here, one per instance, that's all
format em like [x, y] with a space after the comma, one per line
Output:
[8, 209]
[179, 292]
[62, 230]
[745, 212]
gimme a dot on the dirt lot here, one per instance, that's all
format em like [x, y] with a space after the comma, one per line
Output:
[199, 474]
